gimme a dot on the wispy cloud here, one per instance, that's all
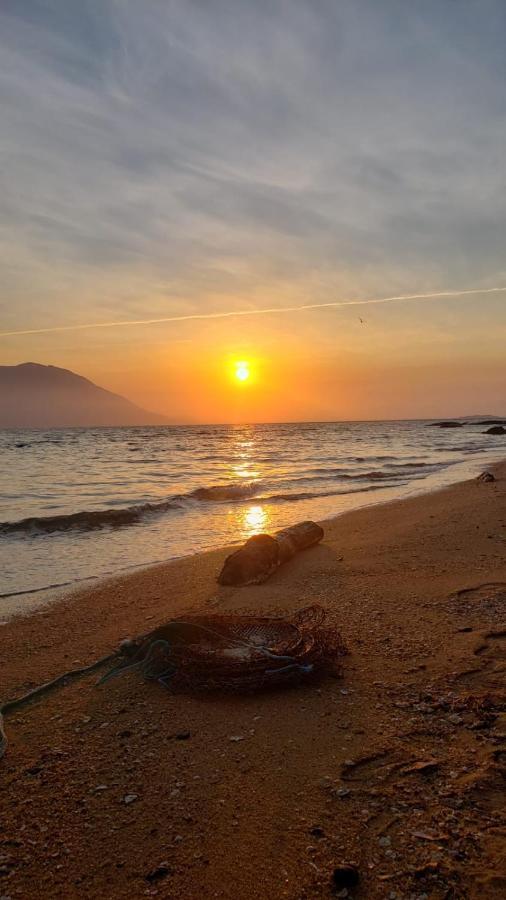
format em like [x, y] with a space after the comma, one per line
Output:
[273, 310]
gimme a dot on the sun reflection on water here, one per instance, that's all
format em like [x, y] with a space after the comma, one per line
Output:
[243, 467]
[244, 470]
[255, 519]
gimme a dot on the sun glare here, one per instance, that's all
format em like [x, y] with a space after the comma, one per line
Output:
[242, 371]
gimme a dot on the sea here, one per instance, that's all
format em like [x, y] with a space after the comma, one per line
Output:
[80, 504]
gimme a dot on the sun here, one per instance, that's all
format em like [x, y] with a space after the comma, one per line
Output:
[242, 370]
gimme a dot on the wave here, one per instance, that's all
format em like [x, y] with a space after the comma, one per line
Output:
[408, 465]
[86, 520]
[90, 520]
[374, 475]
[310, 495]
[222, 492]
[370, 476]
[432, 466]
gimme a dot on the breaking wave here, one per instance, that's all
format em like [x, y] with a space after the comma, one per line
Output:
[89, 520]
[95, 519]
[85, 520]
[222, 492]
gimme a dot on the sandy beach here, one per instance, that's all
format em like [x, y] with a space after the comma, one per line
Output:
[126, 791]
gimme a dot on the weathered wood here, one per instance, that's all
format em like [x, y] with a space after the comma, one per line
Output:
[262, 554]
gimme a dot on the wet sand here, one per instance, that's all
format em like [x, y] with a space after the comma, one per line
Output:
[127, 791]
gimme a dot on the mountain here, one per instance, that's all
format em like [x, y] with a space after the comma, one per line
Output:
[35, 396]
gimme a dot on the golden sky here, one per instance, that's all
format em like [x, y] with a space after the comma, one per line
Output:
[399, 360]
[171, 161]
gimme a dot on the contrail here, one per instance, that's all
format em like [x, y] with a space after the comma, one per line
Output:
[270, 310]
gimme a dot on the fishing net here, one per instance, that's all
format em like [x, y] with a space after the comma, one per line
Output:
[236, 653]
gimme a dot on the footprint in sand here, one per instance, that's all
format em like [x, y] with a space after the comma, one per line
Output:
[484, 604]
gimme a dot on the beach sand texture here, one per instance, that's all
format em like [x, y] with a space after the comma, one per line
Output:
[126, 791]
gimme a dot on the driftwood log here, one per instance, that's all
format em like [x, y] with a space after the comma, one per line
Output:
[262, 554]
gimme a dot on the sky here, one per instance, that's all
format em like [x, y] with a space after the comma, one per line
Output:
[173, 159]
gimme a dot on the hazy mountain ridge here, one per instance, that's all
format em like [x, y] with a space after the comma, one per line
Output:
[38, 396]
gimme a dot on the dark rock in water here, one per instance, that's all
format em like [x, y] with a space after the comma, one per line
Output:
[486, 477]
[262, 554]
[345, 876]
[445, 425]
[496, 429]
[490, 422]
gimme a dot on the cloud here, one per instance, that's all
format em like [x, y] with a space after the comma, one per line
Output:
[198, 156]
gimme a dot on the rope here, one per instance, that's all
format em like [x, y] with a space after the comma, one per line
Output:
[59, 681]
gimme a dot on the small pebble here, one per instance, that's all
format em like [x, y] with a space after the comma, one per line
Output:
[345, 876]
[156, 874]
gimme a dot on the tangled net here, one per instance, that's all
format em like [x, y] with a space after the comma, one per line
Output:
[235, 653]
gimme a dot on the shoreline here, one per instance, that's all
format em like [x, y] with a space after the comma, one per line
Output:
[20, 604]
[75, 592]
[318, 774]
